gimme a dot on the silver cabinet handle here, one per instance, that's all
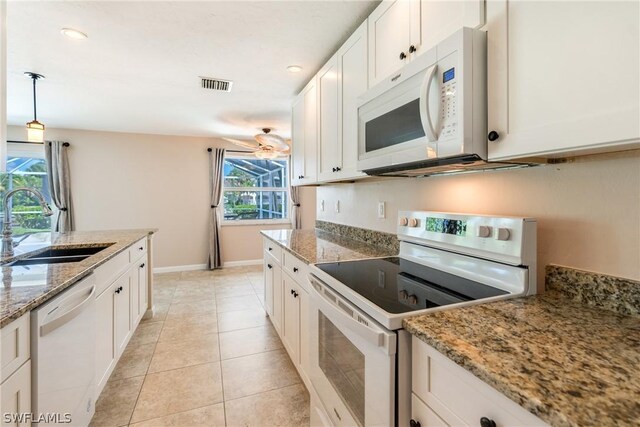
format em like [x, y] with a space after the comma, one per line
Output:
[66, 316]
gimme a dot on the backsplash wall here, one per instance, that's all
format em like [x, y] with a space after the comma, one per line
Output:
[588, 211]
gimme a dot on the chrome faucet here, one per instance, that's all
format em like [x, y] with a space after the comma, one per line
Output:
[7, 241]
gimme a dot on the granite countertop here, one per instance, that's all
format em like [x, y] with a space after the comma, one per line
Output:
[25, 288]
[317, 246]
[565, 362]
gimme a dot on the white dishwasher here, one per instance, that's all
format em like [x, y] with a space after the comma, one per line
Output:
[63, 357]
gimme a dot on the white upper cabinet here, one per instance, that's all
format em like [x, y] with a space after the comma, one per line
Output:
[440, 19]
[304, 135]
[394, 27]
[352, 82]
[563, 77]
[340, 82]
[402, 30]
[328, 120]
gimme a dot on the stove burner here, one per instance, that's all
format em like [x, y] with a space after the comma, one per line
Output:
[399, 286]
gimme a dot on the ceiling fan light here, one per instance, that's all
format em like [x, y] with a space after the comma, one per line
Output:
[266, 154]
[35, 131]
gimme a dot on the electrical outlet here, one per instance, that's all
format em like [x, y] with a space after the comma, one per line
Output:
[381, 210]
[321, 205]
[337, 206]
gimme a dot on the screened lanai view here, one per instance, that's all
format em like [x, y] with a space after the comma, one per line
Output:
[26, 211]
[255, 189]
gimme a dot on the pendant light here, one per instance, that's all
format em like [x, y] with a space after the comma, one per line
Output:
[35, 129]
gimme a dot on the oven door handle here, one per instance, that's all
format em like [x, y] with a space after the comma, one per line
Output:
[371, 333]
[425, 111]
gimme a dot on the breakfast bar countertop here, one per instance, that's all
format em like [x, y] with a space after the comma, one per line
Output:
[318, 246]
[24, 289]
[566, 362]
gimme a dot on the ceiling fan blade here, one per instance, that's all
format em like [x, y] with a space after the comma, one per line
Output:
[274, 141]
[254, 145]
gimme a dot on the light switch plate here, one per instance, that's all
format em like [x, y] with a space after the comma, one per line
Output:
[321, 205]
[337, 206]
[381, 210]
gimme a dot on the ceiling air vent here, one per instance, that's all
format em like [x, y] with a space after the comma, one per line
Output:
[216, 84]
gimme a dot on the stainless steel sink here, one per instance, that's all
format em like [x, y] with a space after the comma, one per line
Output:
[58, 256]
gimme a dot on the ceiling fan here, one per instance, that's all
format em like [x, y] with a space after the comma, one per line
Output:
[266, 145]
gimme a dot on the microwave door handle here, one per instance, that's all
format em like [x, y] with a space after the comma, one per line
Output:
[425, 113]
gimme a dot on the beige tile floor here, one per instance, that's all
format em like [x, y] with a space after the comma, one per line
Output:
[209, 357]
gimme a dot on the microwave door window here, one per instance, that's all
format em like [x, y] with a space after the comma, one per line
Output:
[395, 127]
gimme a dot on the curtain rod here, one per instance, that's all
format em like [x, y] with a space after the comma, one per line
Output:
[66, 144]
[232, 151]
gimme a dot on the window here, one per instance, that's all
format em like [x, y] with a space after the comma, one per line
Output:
[26, 167]
[255, 189]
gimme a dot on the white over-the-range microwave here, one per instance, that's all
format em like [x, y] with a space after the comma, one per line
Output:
[431, 116]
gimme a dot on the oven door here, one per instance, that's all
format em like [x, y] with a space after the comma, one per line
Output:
[353, 361]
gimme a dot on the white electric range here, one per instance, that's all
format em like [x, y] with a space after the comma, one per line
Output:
[360, 355]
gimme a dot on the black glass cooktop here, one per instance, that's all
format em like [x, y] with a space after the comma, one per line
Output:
[399, 286]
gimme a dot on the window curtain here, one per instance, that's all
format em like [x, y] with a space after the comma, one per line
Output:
[296, 215]
[216, 162]
[60, 183]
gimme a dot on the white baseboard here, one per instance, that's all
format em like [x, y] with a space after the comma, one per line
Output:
[194, 267]
[177, 268]
[242, 263]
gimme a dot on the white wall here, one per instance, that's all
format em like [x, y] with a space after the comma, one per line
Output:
[3, 84]
[588, 211]
[122, 180]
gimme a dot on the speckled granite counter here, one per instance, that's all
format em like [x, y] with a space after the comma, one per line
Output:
[25, 289]
[566, 362]
[315, 246]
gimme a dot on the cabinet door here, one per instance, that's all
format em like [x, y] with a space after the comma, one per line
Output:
[105, 337]
[143, 287]
[291, 319]
[297, 140]
[305, 363]
[393, 27]
[134, 296]
[122, 313]
[304, 136]
[562, 77]
[15, 396]
[329, 156]
[440, 18]
[276, 319]
[268, 284]
[353, 82]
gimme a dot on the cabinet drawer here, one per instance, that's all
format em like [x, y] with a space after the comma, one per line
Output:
[15, 345]
[109, 271]
[422, 414]
[273, 249]
[459, 397]
[296, 268]
[15, 397]
[137, 249]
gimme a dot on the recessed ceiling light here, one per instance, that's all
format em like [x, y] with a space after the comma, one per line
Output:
[73, 34]
[294, 68]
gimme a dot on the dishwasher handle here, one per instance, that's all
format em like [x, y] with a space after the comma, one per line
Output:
[54, 324]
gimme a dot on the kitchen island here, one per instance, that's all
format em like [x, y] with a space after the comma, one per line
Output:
[23, 291]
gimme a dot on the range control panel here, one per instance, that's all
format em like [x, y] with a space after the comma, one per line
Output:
[506, 239]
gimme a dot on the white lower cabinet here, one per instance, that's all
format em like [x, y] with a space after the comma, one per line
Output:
[15, 397]
[291, 318]
[444, 393]
[105, 344]
[119, 310]
[290, 305]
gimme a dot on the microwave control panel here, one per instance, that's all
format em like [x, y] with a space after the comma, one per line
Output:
[448, 117]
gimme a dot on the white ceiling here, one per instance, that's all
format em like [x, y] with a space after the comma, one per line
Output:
[139, 69]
